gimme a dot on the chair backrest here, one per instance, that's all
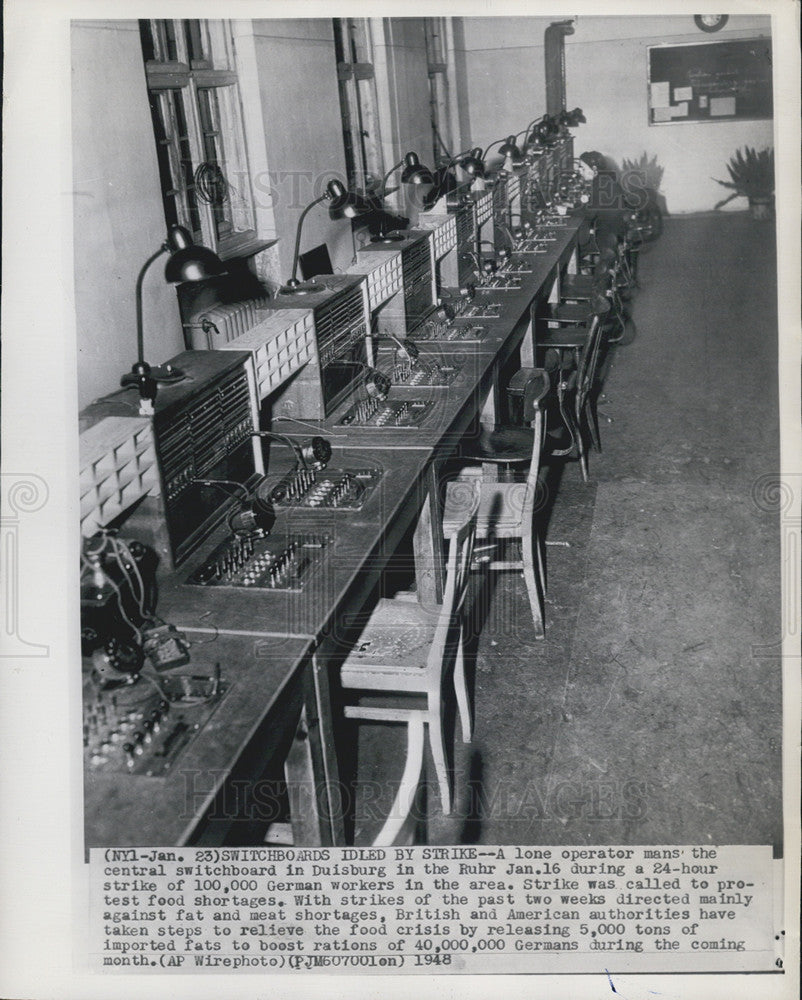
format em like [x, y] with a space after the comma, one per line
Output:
[462, 500]
[532, 385]
[586, 369]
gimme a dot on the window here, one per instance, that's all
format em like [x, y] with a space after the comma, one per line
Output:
[197, 124]
[358, 102]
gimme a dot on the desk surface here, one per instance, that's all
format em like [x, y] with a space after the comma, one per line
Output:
[137, 810]
[361, 543]
[455, 406]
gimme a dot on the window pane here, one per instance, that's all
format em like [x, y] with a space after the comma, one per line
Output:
[197, 131]
[193, 33]
[186, 167]
[146, 37]
[170, 41]
[169, 191]
[214, 185]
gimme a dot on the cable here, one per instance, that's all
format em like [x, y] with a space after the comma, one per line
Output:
[117, 544]
[286, 439]
[312, 427]
[93, 569]
[221, 483]
[440, 140]
[210, 182]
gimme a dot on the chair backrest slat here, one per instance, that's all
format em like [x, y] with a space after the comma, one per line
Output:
[461, 496]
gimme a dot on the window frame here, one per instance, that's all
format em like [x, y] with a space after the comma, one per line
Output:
[359, 107]
[175, 77]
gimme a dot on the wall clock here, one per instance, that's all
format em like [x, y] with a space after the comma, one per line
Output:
[711, 22]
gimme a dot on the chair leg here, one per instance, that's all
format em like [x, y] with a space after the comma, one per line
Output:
[541, 562]
[591, 416]
[435, 719]
[461, 690]
[579, 408]
[534, 583]
[568, 421]
[399, 827]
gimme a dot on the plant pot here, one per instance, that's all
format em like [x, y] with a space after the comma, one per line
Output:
[762, 208]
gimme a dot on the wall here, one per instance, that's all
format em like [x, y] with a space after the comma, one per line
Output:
[605, 59]
[297, 76]
[288, 83]
[118, 214]
[606, 76]
[402, 78]
[500, 75]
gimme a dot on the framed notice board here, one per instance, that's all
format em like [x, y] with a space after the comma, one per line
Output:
[710, 81]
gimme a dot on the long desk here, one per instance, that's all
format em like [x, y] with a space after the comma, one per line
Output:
[274, 647]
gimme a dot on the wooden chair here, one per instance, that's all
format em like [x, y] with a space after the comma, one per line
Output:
[398, 828]
[578, 348]
[507, 510]
[409, 649]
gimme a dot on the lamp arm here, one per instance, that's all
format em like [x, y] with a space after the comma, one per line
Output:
[529, 127]
[140, 335]
[457, 158]
[498, 142]
[304, 214]
[387, 177]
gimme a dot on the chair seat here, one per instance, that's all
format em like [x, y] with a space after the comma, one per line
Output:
[499, 510]
[568, 337]
[569, 312]
[393, 648]
[503, 445]
[577, 282]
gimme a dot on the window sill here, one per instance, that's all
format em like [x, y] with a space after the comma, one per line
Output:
[245, 245]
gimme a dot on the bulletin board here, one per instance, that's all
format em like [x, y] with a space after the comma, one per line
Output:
[710, 81]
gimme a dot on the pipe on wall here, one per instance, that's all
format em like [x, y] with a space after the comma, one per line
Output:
[554, 58]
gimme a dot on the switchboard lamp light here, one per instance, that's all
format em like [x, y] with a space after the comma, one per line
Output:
[187, 261]
[344, 204]
[414, 173]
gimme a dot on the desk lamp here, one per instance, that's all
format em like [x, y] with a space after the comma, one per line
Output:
[509, 150]
[570, 119]
[547, 131]
[188, 261]
[414, 173]
[444, 181]
[528, 137]
[345, 204]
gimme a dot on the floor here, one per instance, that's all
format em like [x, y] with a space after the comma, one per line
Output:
[651, 712]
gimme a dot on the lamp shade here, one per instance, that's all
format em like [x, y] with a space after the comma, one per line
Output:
[345, 204]
[547, 131]
[414, 172]
[473, 164]
[510, 148]
[189, 261]
[570, 119]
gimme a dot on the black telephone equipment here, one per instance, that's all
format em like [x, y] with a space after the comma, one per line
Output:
[119, 627]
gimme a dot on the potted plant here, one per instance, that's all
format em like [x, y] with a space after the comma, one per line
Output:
[642, 178]
[751, 176]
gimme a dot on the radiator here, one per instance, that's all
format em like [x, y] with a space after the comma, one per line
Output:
[223, 323]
